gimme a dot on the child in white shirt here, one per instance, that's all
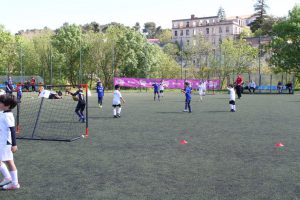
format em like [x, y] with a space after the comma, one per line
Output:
[116, 104]
[232, 97]
[8, 144]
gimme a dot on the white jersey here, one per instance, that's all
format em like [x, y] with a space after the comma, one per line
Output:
[202, 86]
[161, 87]
[231, 93]
[6, 120]
[117, 97]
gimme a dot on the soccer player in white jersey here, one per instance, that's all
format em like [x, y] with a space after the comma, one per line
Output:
[232, 97]
[116, 104]
[202, 89]
[8, 144]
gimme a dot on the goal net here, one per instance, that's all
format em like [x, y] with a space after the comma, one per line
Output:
[49, 114]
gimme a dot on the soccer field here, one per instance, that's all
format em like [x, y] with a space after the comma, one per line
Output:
[139, 156]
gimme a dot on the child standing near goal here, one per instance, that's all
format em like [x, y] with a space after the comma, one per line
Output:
[8, 144]
[116, 104]
[78, 95]
[230, 88]
[100, 92]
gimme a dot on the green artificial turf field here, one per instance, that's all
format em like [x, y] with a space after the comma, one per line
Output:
[139, 156]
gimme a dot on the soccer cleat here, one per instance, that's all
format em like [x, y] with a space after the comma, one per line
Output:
[115, 116]
[118, 115]
[11, 186]
[185, 110]
[5, 181]
[232, 110]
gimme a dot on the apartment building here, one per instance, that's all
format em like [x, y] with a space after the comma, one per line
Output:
[213, 28]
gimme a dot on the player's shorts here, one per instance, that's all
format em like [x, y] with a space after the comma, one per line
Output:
[161, 91]
[232, 102]
[6, 153]
[155, 92]
[119, 105]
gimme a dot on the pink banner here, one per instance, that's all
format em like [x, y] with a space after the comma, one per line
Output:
[168, 83]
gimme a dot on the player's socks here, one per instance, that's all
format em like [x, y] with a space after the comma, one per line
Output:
[115, 112]
[4, 171]
[14, 177]
[119, 111]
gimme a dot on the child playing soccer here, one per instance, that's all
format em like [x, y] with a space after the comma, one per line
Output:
[161, 89]
[116, 104]
[81, 103]
[202, 89]
[100, 92]
[230, 88]
[8, 144]
[156, 92]
[188, 97]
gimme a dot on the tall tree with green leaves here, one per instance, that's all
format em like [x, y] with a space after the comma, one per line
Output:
[285, 45]
[68, 41]
[260, 8]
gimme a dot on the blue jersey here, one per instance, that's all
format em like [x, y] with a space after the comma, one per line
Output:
[100, 90]
[155, 87]
[188, 93]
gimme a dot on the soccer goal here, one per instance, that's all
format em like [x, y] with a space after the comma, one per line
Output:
[50, 114]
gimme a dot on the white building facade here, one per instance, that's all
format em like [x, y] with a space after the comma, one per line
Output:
[213, 28]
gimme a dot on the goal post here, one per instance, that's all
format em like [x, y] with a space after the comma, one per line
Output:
[49, 114]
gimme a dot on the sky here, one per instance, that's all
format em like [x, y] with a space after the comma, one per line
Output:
[18, 15]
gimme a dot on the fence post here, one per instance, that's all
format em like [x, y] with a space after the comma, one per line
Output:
[271, 83]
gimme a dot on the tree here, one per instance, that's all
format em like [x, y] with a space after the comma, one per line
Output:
[8, 51]
[165, 36]
[260, 15]
[150, 29]
[221, 14]
[285, 45]
[67, 41]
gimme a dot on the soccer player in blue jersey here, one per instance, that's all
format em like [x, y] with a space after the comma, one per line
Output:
[156, 91]
[81, 103]
[188, 97]
[100, 92]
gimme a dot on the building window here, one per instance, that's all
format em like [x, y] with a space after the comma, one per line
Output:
[227, 29]
[207, 30]
[175, 33]
[200, 23]
[187, 24]
[220, 29]
[213, 30]
[181, 32]
[187, 32]
[236, 30]
[188, 42]
[175, 25]
[194, 24]
[194, 32]
[207, 22]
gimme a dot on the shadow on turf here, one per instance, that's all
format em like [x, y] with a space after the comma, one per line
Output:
[216, 111]
[100, 117]
[171, 112]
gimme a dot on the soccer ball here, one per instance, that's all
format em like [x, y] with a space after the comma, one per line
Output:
[75, 98]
